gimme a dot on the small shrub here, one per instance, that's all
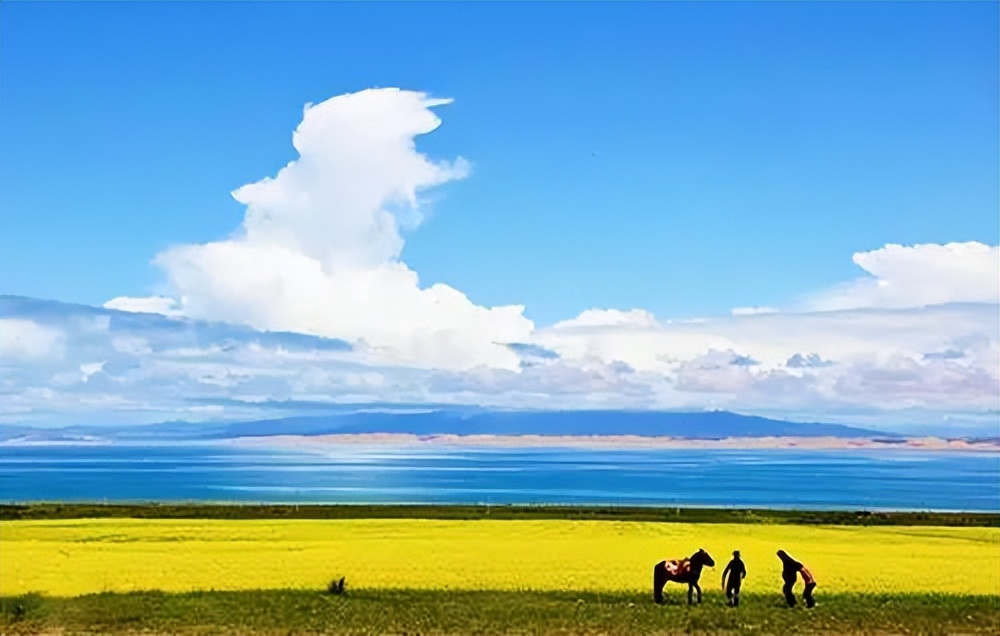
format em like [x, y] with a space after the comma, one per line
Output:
[336, 586]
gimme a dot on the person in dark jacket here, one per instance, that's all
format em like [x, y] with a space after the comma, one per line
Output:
[790, 568]
[737, 571]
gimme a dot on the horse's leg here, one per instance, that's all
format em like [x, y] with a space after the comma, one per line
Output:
[698, 587]
[659, 580]
[690, 591]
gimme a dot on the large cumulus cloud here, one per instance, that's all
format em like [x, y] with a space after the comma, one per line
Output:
[319, 250]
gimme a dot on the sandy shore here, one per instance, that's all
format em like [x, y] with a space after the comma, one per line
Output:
[609, 442]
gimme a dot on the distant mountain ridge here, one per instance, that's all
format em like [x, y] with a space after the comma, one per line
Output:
[698, 425]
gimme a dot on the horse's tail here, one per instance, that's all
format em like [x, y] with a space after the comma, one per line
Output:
[659, 580]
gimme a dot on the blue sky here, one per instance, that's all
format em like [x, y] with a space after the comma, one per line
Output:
[623, 167]
[743, 152]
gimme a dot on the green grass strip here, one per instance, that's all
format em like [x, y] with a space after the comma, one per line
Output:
[490, 612]
[602, 513]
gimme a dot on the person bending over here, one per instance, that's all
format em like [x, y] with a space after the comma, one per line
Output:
[737, 571]
[790, 568]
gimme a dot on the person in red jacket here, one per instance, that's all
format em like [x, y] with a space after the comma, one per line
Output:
[790, 568]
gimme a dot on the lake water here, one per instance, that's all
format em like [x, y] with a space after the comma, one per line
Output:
[874, 480]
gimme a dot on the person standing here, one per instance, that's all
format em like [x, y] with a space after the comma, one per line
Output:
[737, 571]
[790, 568]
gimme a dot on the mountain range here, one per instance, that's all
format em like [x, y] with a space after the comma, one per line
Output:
[458, 421]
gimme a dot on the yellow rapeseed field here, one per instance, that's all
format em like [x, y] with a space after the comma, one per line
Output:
[81, 556]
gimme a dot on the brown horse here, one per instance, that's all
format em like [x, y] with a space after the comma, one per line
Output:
[682, 571]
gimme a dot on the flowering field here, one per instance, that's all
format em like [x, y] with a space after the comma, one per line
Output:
[72, 557]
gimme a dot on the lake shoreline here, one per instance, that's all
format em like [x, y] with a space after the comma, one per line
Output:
[612, 442]
[578, 442]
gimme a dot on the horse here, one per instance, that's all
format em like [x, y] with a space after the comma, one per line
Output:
[682, 571]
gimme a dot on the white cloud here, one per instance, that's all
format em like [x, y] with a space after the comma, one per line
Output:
[750, 311]
[90, 368]
[148, 305]
[25, 340]
[319, 248]
[636, 318]
[918, 276]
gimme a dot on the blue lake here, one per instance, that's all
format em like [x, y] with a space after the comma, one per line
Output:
[897, 479]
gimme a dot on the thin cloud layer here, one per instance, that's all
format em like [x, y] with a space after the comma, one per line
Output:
[24, 341]
[899, 367]
[826, 361]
